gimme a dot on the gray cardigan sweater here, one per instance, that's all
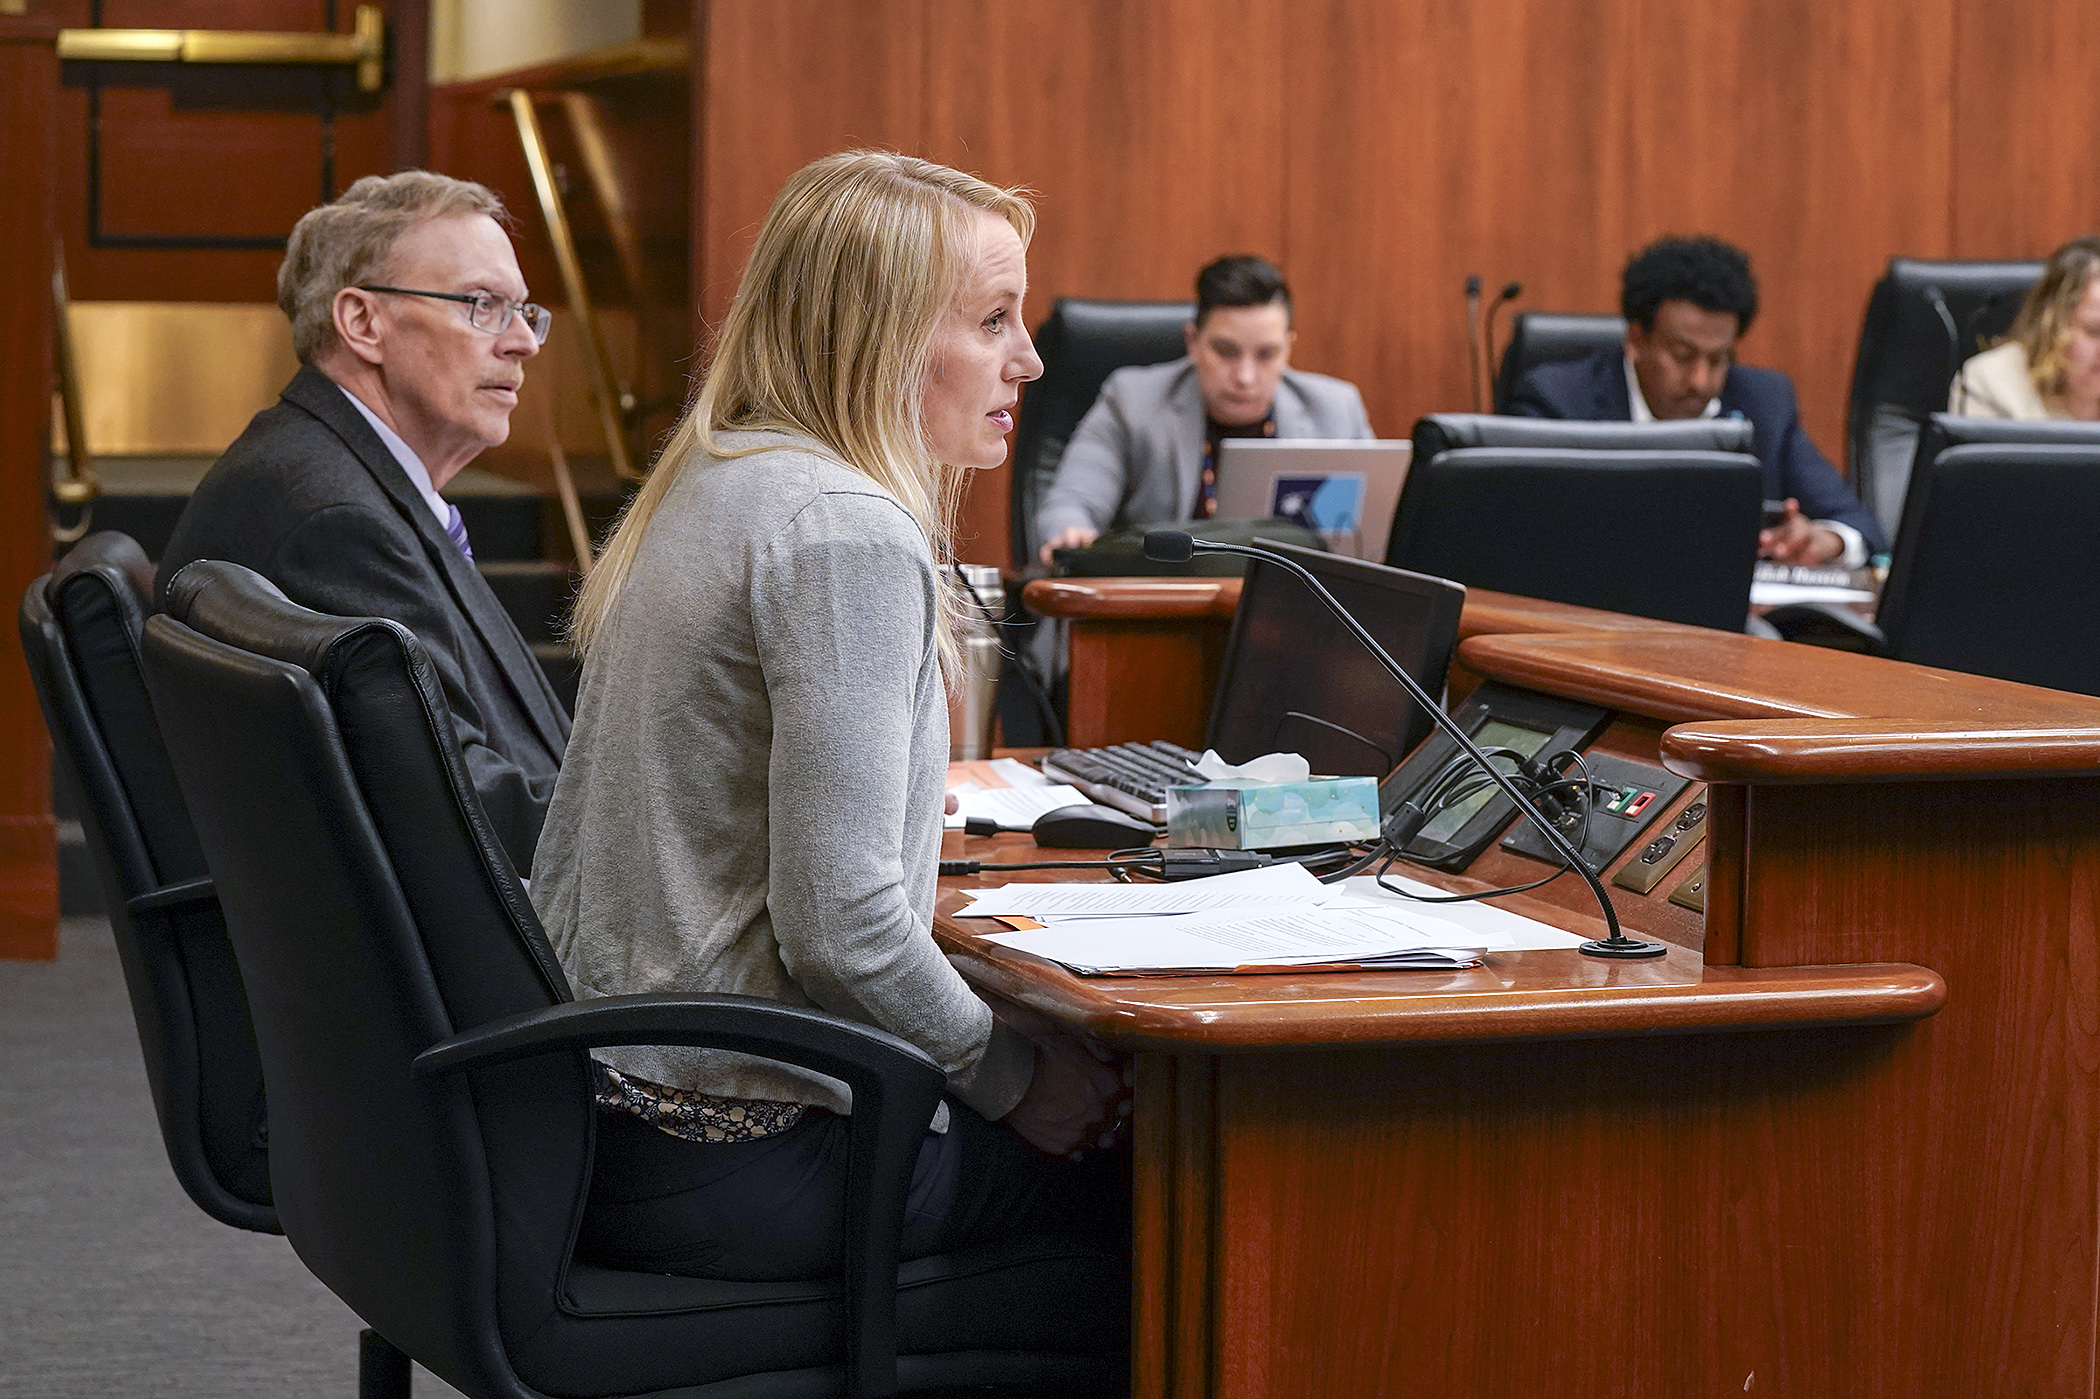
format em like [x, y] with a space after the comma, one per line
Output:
[751, 800]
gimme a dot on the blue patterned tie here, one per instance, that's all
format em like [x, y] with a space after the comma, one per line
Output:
[457, 528]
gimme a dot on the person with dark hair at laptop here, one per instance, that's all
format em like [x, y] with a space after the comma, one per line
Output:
[1146, 452]
[1687, 302]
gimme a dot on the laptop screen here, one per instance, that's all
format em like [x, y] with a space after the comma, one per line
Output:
[1296, 680]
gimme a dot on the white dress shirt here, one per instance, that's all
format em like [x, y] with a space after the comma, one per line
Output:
[418, 474]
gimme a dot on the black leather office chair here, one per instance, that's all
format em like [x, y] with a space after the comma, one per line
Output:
[431, 1117]
[1082, 343]
[1994, 571]
[1907, 361]
[1545, 337]
[1444, 432]
[80, 627]
[1671, 535]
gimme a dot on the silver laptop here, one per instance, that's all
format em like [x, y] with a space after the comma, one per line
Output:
[1344, 490]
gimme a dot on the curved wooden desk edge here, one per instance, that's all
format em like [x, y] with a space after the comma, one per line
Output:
[1684, 674]
[1778, 752]
[1154, 599]
[1131, 599]
[1179, 1014]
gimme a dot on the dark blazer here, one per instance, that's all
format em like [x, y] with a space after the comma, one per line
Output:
[1593, 389]
[309, 497]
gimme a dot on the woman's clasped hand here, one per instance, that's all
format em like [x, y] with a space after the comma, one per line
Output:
[1080, 1094]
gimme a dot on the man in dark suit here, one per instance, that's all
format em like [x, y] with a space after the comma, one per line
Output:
[409, 314]
[1687, 301]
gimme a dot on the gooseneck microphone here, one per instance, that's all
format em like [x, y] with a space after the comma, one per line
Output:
[1179, 546]
[1954, 354]
[1509, 292]
[1473, 360]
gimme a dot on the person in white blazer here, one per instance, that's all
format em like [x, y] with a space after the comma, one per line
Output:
[2048, 363]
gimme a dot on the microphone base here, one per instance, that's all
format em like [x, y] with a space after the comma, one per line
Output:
[1622, 947]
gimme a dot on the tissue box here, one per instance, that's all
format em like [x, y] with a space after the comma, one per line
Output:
[1231, 815]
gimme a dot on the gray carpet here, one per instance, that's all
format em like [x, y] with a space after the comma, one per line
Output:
[111, 1282]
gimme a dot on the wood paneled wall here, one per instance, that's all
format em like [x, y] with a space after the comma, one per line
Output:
[1383, 149]
[28, 167]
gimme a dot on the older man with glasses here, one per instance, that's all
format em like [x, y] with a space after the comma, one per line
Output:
[409, 316]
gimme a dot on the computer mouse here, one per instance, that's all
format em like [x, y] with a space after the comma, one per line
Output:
[1088, 827]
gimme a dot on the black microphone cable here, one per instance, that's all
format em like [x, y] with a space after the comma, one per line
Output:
[1544, 790]
[1177, 546]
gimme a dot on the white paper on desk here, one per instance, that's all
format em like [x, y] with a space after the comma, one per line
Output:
[1282, 937]
[1479, 919]
[1018, 774]
[1014, 808]
[1781, 594]
[1270, 886]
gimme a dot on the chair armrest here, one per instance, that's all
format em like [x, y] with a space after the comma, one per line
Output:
[895, 1087]
[1827, 624]
[175, 898]
[812, 1039]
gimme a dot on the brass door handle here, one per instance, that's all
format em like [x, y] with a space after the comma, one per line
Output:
[364, 48]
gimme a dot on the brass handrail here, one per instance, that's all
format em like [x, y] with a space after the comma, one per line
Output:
[565, 488]
[364, 48]
[608, 395]
[73, 478]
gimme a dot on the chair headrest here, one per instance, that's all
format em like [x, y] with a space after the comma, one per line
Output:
[1560, 463]
[1555, 335]
[1947, 430]
[1445, 432]
[97, 599]
[1910, 276]
[230, 603]
[1087, 340]
[114, 557]
[2081, 456]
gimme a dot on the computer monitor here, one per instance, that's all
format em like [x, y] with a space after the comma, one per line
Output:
[1296, 680]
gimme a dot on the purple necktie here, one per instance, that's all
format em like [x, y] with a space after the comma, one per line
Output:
[457, 529]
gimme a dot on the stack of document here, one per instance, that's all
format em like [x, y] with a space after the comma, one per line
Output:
[1278, 918]
[1014, 808]
[1026, 795]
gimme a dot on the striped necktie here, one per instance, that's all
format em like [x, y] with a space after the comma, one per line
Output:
[457, 529]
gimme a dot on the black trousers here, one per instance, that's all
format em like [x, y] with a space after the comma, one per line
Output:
[774, 1209]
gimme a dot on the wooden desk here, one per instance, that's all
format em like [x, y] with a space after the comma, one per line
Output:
[1853, 1149]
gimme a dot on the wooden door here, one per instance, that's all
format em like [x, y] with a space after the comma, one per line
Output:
[180, 181]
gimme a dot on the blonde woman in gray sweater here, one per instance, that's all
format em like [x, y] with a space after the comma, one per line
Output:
[751, 800]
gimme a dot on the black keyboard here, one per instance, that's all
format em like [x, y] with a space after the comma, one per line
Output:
[1131, 777]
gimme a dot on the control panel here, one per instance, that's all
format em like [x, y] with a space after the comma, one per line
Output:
[1466, 810]
[1625, 797]
[1664, 851]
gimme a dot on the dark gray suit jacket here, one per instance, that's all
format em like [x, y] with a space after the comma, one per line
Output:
[309, 497]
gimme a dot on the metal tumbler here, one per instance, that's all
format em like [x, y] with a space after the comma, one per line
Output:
[971, 704]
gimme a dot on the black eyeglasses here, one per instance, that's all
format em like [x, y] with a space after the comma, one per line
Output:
[488, 311]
